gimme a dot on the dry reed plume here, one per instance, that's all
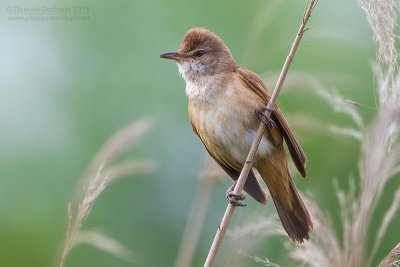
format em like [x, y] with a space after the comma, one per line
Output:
[393, 259]
[100, 173]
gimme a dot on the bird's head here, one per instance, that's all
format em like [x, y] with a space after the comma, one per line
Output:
[202, 53]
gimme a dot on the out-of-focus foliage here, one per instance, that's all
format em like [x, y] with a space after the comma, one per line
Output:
[67, 86]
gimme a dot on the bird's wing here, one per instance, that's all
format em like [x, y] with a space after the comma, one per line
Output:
[257, 85]
[252, 187]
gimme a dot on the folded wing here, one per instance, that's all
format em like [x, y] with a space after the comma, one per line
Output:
[296, 152]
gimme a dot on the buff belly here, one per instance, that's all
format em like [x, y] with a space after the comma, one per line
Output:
[228, 136]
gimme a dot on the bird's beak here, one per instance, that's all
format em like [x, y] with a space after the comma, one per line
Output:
[172, 55]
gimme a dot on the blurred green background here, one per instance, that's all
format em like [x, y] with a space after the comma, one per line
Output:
[67, 86]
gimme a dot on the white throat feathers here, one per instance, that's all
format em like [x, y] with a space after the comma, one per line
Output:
[199, 87]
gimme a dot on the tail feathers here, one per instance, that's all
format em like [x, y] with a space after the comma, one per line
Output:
[295, 220]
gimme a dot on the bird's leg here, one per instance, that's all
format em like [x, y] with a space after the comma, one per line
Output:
[234, 198]
[270, 124]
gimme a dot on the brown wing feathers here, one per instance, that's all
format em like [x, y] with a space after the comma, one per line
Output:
[296, 152]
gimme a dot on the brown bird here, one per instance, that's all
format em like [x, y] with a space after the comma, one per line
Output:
[226, 103]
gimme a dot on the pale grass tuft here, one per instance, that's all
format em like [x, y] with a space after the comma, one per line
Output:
[99, 174]
[103, 242]
[393, 259]
[116, 144]
[350, 132]
[380, 157]
[391, 212]
[340, 105]
[382, 18]
[264, 261]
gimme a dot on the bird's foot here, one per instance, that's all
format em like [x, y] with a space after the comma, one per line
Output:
[234, 198]
[267, 119]
[270, 124]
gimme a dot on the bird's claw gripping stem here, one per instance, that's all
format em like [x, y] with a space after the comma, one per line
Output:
[267, 119]
[234, 198]
[269, 123]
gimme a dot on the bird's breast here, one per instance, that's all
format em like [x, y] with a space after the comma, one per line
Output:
[227, 125]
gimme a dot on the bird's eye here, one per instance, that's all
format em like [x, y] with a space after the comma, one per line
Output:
[199, 53]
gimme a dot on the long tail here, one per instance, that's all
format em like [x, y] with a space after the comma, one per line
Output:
[295, 218]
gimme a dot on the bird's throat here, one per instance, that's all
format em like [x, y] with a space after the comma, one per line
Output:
[204, 89]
